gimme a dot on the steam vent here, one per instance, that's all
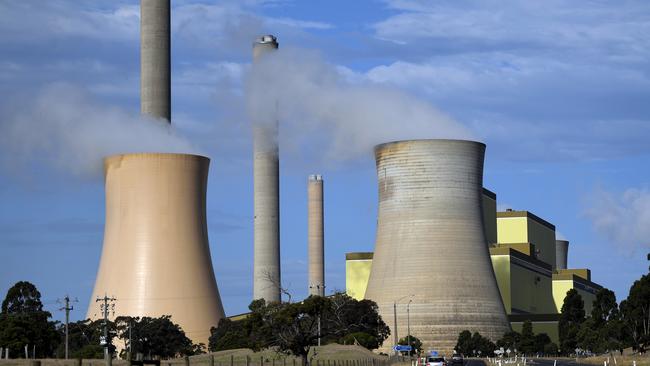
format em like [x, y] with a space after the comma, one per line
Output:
[156, 258]
[431, 247]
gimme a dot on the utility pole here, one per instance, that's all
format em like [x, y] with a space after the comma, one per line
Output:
[67, 308]
[408, 325]
[106, 303]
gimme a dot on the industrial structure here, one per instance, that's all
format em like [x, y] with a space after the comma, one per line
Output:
[431, 247]
[266, 196]
[155, 59]
[444, 258]
[315, 235]
[155, 256]
[530, 266]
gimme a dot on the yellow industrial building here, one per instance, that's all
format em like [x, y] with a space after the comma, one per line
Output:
[529, 265]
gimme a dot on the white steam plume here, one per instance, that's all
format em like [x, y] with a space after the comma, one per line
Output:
[318, 107]
[63, 126]
[623, 218]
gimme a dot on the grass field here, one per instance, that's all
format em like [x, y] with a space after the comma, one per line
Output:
[329, 355]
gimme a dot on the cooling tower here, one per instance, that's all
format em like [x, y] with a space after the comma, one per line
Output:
[561, 254]
[431, 246]
[315, 237]
[266, 196]
[155, 59]
[156, 258]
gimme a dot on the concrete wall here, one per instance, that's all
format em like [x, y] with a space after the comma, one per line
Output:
[431, 243]
[525, 283]
[563, 283]
[156, 257]
[544, 239]
[357, 273]
[524, 227]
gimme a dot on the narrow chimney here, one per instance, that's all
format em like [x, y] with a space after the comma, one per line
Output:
[315, 235]
[561, 254]
[266, 182]
[155, 59]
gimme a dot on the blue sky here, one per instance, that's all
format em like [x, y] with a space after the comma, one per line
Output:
[558, 90]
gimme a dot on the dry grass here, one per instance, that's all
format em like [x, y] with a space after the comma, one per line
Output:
[641, 360]
[336, 354]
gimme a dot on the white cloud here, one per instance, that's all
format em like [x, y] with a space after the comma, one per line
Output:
[621, 218]
[63, 126]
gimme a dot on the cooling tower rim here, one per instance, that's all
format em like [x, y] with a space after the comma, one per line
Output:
[150, 155]
[430, 141]
[561, 241]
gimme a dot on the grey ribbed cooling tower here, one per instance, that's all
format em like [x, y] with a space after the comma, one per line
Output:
[266, 182]
[156, 257]
[315, 237]
[431, 243]
[155, 59]
[561, 254]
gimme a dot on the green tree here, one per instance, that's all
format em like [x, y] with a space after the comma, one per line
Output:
[293, 327]
[229, 335]
[469, 344]
[636, 313]
[156, 337]
[362, 339]
[527, 342]
[572, 315]
[510, 340]
[603, 330]
[541, 340]
[83, 338]
[464, 344]
[416, 344]
[23, 322]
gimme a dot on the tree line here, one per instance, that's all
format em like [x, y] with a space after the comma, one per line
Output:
[609, 327]
[24, 323]
[293, 328]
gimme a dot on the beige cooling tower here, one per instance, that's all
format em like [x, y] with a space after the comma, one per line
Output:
[156, 257]
[431, 246]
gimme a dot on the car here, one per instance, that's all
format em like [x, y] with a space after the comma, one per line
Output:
[456, 360]
[435, 361]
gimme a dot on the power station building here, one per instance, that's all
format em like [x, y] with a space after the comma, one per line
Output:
[529, 265]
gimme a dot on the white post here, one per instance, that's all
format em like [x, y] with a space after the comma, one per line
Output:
[554, 362]
[614, 360]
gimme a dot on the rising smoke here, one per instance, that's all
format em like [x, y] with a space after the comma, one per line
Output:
[321, 108]
[64, 127]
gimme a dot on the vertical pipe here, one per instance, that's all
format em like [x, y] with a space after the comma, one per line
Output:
[561, 254]
[155, 58]
[266, 182]
[315, 235]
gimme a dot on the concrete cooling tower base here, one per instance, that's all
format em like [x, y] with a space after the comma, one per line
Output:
[156, 257]
[431, 247]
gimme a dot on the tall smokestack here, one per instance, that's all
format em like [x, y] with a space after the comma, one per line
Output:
[155, 59]
[266, 182]
[156, 256]
[431, 248]
[315, 237]
[561, 254]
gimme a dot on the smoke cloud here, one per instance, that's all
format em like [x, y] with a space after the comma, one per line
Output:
[621, 218]
[63, 126]
[320, 108]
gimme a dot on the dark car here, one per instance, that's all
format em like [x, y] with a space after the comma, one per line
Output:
[456, 360]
